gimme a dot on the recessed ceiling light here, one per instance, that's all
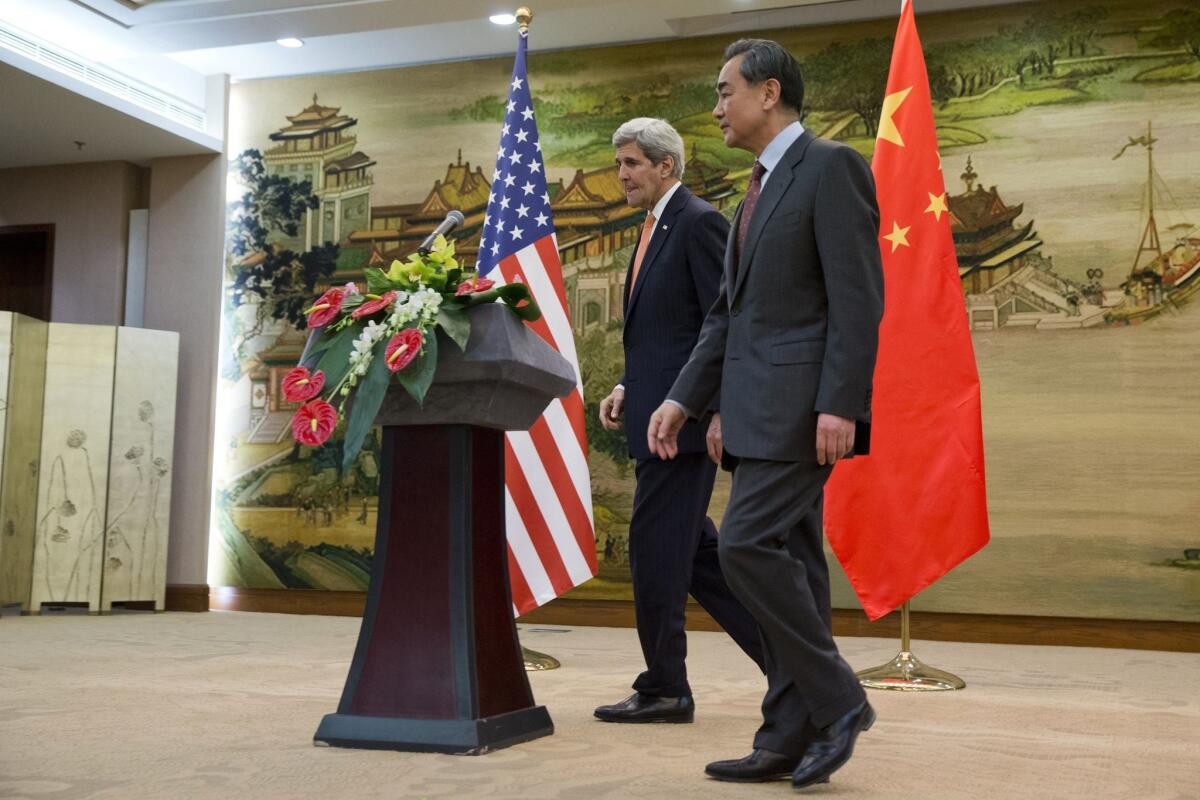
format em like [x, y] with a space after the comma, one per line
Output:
[503, 19]
[290, 42]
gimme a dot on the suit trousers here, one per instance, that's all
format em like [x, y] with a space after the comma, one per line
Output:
[673, 551]
[772, 555]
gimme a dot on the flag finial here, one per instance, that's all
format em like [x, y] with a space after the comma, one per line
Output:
[524, 17]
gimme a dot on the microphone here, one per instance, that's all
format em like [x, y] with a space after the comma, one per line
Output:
[452, 221]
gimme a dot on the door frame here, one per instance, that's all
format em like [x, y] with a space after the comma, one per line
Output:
[48, 267]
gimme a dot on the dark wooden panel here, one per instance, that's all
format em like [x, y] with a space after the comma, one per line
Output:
[407, 646]
[1183, 637]
[289, 601]
[187, 597]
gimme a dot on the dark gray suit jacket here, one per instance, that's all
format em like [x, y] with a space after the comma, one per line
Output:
[796, 334]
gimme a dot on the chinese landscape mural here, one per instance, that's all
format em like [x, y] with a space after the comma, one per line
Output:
[1069, 147]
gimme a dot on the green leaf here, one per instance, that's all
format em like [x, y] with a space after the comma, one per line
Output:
[324, 339]
[368, 397]
[456, 324]
[377, 281]
[417, 377]
[335, 363]
[518, 298]
[528, 312]
[512, 292]
[515, 295]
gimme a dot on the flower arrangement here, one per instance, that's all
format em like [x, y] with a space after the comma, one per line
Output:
[364, 339]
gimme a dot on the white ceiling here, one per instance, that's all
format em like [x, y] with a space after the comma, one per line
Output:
[173, 44]
[43, 121]
[238, 36]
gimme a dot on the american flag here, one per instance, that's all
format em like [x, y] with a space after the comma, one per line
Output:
[548, 492]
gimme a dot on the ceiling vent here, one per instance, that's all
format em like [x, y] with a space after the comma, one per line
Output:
[107, 80]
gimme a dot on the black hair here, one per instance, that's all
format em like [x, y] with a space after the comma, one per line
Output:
[763, 59]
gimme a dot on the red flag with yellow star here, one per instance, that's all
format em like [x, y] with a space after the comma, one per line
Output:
[916, 507]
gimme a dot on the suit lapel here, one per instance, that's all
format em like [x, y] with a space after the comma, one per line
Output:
[730, 249]
[662, 230]
[778, 182]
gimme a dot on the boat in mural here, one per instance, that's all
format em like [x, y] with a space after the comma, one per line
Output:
[1159, 280]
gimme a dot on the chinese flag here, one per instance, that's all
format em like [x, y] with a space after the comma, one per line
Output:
[916, 507]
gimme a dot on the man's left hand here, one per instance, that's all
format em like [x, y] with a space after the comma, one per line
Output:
[835, 438]
[716, 445]
[662, 435]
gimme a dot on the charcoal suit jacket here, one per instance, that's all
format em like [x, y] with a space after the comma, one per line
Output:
[794, 329]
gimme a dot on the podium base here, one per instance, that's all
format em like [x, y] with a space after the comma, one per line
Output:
[470, 737]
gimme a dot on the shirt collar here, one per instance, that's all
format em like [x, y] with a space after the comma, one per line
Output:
[774, 151]
[661, 205]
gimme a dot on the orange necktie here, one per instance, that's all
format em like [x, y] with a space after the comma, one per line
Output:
[647, 229]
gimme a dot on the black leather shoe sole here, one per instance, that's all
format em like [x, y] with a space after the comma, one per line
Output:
[672, 719]
[767, 778]
[824, 776]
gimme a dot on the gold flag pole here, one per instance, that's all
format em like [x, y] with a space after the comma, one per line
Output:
[905, 673]
[534, 661]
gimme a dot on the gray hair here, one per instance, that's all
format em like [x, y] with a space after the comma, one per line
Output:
[656, 138]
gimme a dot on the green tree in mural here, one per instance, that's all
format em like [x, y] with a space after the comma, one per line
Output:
[1181, 28]
[1081, 29]
[969, 67]
[601, 365]
[277, 280]
[850, 77]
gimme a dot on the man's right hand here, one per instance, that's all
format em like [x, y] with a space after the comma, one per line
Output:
[611, 408]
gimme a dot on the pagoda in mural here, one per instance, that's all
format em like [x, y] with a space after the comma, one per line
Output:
[397, 231]
[990, 247]
[319, 146]
[1007, 281]
[708, 182]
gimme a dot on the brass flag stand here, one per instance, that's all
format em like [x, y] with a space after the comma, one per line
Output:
[537, 662]
[904, 672]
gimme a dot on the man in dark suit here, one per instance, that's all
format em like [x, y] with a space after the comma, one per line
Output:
[789, 347]
[671, 283]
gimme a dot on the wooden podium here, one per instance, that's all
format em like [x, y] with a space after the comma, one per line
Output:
[438, 667]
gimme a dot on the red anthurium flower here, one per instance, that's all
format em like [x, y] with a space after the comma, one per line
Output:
[470, 286]
[313, 423]
[403, 348]
[371, 306]
[299, 386]
[326, 308]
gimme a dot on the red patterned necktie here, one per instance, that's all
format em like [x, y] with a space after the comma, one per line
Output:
[752, 192]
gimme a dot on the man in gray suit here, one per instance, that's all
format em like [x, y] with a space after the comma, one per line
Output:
[789, 348]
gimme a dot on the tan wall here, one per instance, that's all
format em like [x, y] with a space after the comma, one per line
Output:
[183, 293]
[89, 206]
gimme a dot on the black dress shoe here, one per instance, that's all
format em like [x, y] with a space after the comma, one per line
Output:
[761, 765]
[833, 749]
[640, 707]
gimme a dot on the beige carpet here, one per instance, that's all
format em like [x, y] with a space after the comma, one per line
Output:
[224, 705]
